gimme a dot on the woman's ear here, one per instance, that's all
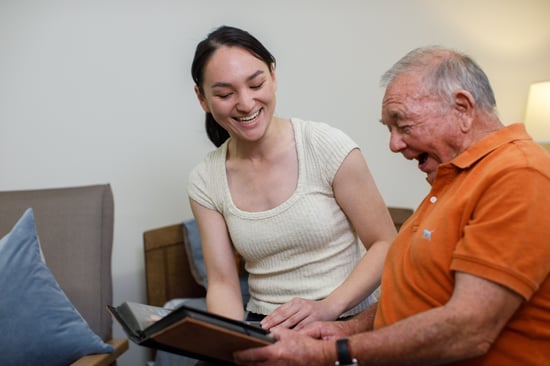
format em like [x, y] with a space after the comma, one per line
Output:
[464, 106]
[273, 76]
[202, 100]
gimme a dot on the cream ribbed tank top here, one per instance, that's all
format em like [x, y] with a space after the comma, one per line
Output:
[305, 247]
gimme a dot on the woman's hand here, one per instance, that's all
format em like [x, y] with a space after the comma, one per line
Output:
[299, 312]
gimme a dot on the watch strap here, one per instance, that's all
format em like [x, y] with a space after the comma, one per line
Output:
[344, 356]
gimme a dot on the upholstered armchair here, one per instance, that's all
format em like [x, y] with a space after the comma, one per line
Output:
[74, 230]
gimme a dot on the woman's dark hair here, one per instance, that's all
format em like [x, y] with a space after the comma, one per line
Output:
[224, 36]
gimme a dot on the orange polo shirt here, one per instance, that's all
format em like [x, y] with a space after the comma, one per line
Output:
[487, 214]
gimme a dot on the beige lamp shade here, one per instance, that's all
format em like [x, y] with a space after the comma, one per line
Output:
[537, 114]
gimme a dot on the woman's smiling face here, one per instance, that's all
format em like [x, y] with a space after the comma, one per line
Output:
[239, 92]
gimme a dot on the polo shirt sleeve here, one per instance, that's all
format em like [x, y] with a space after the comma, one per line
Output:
[507, 239]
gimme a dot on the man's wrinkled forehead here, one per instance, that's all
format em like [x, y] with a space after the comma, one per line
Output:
[404, 98]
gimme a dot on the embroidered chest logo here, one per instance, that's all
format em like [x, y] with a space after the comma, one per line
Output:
[427, 234]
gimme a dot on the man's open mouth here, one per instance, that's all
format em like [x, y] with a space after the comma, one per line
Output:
[422, 158]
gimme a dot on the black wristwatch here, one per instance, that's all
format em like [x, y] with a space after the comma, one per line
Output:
[344, 357]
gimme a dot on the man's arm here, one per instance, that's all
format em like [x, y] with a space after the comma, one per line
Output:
[368, 315]
[463, 328]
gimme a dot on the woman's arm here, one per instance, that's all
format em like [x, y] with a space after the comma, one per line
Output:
[357, 194]
[223, 295]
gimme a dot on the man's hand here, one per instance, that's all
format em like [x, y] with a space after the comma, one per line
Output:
[290, 349]
[328, 330]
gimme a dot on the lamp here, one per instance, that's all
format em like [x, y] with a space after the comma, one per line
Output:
[537, 114]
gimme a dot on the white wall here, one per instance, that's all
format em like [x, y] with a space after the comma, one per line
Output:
[96, 91]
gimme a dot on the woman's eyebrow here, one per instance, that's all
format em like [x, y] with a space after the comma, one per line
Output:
[222, 84]
[259, 72]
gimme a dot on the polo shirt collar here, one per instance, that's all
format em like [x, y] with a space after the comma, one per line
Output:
[490, 143]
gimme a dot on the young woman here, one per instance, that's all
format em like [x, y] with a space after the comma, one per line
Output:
[295, 198]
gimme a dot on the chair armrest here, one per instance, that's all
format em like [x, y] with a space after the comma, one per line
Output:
[104, 359]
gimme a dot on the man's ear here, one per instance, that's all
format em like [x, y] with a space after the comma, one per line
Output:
[464, 106]
[202, 100]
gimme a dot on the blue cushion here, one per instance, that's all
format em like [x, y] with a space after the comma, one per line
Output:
[194, 253]
[39, 325]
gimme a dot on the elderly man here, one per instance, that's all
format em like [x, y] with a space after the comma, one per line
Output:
[466, 280]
